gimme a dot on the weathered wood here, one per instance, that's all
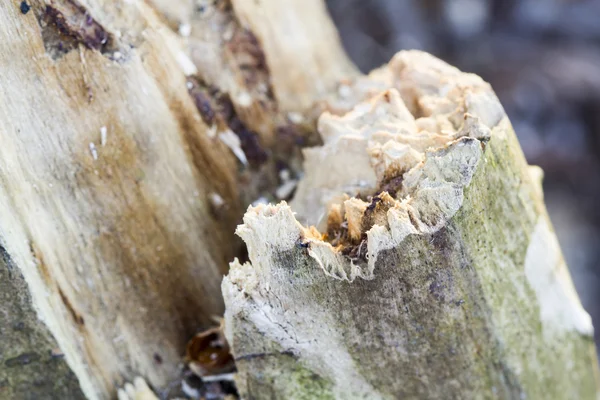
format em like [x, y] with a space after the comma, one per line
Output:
[130, 136]
[442, 279]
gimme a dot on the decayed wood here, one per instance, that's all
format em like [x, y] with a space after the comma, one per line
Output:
[436, 273]
[130, 136]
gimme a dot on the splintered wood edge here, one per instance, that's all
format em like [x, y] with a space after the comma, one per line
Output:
[457, 118]
[378, 139]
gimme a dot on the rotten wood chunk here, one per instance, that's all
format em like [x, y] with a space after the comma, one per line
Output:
[450, 285]
[208, 353]
[250, 142]
[74, 20]
[250, 60]
[218, 112]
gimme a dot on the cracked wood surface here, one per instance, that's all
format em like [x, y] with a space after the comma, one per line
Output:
[118, 196]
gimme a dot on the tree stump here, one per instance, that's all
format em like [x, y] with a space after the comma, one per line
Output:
[435, 273]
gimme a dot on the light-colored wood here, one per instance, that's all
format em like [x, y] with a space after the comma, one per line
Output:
[301, 48]
[118, 196]
[106, 174]
[132, 136]
[436, 273]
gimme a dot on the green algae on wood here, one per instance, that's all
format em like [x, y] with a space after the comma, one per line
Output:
[462, 291]
[31, 364]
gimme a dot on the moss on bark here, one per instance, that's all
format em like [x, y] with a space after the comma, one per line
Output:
[31, 365]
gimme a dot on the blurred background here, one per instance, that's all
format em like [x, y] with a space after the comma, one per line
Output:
[543, 59]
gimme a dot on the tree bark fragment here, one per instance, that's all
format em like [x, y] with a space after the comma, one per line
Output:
[436, 273]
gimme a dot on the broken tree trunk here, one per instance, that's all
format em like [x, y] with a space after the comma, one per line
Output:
[435, 273]
[131, 134]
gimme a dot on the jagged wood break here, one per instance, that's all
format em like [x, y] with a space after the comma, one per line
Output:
[435, 272]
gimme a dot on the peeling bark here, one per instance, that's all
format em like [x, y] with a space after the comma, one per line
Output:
[451, 285]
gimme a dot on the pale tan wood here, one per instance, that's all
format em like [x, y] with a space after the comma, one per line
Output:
[122, 180]
[301, 47]
[118, 199]
[116, 240]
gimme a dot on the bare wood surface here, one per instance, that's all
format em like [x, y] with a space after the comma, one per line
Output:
[123, 171]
